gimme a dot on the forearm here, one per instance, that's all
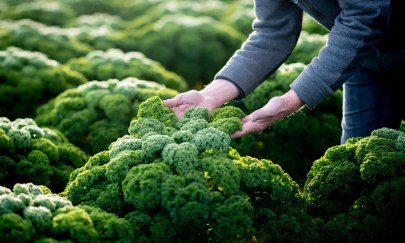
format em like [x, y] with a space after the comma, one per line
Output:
[293, 102]
[276, 30]
[359, 27]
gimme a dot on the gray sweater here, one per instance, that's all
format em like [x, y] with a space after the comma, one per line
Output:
[356, 29]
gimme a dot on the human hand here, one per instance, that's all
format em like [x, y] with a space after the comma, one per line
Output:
[190, 99]
[276, 109]
[211, 97]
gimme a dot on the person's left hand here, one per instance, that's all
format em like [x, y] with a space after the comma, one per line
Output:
[276, 109]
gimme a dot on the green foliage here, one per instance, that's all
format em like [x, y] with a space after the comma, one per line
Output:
[29, 153]
[29, 79]
[182, 136]
[212, 139]
[310, 26]
[227, 119]
[168, 179]
[196, 113]
[308, 47]
[16, 2]
[291, 142]
[402, 126]
[154, 108]
[357, 189]
[194, 47]
[226, 112]
[29, 215]
[182, 157]
[240, 15]
[14, 228]
[284, 218]
[194, 125]
[146, 126]
[95, 114]
[115, 64]
[102, 31]
[59, 44]
[211, 8]
[184, 185]
[153, 145]
[109, 227]
[96, 21]
[124, 143]
[46, 12]
[97, 6]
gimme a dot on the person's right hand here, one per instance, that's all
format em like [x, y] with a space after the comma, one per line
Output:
[276, 109]
[190, 99]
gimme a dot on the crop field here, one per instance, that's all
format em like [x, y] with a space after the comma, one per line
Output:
[89, 152]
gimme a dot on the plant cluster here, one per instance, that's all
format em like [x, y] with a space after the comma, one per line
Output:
[115, 64]
[240, 16]
[43, 11]
[98, 6]
[193, 47]
[29, 79]
[103, 31]
[211, 8]
[178, 180]
[95, 114]
[31, 213]
[357, 190]
[60, 44]
[29, 153]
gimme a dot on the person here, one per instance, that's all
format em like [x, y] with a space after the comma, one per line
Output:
[364, 53]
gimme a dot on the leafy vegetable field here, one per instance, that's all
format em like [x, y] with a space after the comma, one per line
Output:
[89, 152]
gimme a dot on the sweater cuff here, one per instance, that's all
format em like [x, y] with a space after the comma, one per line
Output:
[310, 93]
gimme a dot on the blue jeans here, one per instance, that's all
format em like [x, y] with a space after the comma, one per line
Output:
[372, 99]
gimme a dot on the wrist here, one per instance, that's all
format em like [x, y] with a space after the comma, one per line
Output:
[220, 91]
[292, 102]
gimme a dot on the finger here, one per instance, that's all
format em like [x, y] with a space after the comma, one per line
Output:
[178, 111]
[239, 133]
[236, 134]
[249, 127]
[244, 119]
[271, 109]
[173, 102]
[257, 115]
